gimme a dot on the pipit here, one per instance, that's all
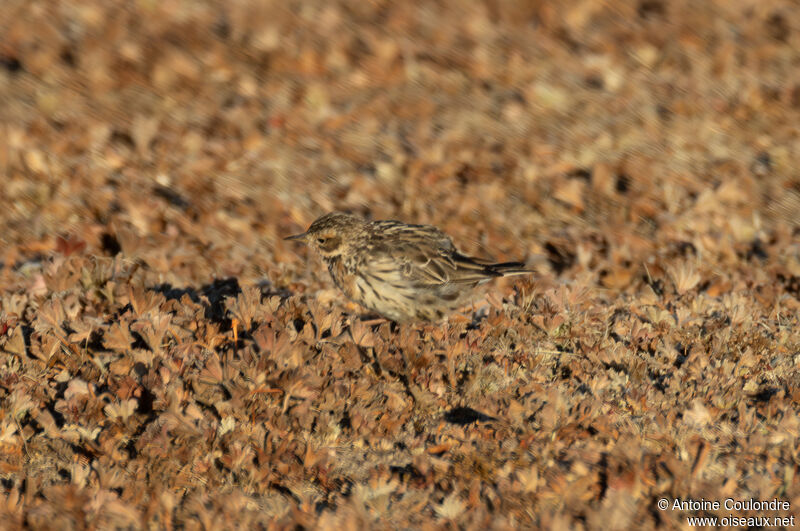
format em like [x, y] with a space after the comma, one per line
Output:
[403, 272]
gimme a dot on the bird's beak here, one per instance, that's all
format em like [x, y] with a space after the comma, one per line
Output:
[298, 237]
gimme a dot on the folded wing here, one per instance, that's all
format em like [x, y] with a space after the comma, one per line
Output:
[425, 257]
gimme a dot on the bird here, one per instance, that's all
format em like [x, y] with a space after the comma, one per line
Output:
[401, 271]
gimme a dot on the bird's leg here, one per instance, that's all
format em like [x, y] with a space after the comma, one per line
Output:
[370, 319]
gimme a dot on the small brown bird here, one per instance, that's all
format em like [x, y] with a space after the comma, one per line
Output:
[403, 272]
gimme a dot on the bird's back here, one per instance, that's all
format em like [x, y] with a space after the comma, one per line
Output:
[415, 272]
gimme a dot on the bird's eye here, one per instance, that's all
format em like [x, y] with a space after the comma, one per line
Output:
[320, 240]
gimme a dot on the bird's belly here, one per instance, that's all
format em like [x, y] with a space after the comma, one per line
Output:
[374, 294]
[390, 300]
[392, 295]
[401, 301]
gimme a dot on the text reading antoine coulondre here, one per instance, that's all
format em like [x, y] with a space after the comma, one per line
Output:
[730, 504]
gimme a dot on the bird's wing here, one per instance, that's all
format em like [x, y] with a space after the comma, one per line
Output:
[423, 255]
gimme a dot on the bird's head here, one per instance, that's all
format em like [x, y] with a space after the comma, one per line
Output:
[331, 234]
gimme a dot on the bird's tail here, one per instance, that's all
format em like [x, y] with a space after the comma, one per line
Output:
[510, 268]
